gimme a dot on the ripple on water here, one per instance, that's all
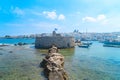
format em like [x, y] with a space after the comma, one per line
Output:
[80, 64]
[22, 64]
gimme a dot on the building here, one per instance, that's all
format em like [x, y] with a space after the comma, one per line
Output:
[46, 42]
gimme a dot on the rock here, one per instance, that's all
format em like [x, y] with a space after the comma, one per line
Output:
[53, 49]
[25, 43]
[53, 65]
[2, 45]
[10, 51]
[1, 48]
[15, 44]
[20, 43]
[86, 79]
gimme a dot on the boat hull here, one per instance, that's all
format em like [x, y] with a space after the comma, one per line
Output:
[83, 46]
[112, 43]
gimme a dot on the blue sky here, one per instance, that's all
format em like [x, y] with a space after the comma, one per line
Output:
[42, 16]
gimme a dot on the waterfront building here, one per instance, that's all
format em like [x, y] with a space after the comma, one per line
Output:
[55, 39]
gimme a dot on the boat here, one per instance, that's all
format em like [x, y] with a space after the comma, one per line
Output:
[117, 46]
[84, 45]
[87, 43]
[112, 43]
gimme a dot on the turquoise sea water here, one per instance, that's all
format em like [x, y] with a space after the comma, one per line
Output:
[15, 41]
[94, 63]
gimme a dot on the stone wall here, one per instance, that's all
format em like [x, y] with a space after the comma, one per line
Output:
[60, 42]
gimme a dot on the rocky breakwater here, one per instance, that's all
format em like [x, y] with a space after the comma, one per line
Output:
[53, 65]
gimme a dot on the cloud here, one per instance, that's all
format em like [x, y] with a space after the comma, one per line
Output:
[17, 11]
[61, 17]
[51, 15]
[100, 18]
[89, 19]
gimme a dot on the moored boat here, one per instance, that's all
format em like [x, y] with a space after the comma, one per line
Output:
[112, 43]
[87, 43]
[84, 46]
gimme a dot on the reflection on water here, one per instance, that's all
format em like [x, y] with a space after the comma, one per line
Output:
[95, 63]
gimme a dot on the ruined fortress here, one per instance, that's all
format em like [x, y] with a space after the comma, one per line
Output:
[46, 42]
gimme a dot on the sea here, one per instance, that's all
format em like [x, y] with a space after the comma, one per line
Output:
[93, 63]
[16, 40]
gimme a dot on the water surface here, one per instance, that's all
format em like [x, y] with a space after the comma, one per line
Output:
[15, 41]
[95, 63]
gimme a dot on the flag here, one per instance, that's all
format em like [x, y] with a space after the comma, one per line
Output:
[55, 29]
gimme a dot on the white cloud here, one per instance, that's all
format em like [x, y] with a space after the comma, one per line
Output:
[105, 21]
[89, 19]
[51, 15]
[17, 11]
[100, 18]
[61, 17]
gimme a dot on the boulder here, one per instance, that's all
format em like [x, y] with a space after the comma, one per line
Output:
[53, 65]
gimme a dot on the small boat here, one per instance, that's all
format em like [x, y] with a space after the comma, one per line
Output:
[84, 46]
[117, 46]
[87, 43]
[112, 43]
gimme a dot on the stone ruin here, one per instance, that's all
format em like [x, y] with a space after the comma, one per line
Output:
[53, 65]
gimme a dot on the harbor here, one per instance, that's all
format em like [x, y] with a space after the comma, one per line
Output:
[22, 62]
[59, 40]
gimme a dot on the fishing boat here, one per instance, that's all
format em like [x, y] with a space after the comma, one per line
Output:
[117, 46]
[112, 43]
[83, 46]
[87, 43]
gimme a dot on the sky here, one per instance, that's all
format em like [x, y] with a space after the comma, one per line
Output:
[21, 17]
